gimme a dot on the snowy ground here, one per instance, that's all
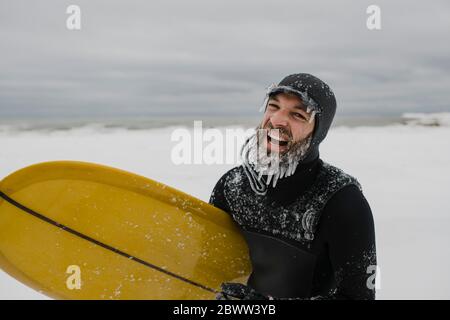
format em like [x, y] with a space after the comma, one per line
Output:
[404, 171]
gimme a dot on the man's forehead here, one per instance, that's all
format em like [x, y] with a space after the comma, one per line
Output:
[298, 103]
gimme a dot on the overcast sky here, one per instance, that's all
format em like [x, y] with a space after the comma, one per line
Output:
[217, 57]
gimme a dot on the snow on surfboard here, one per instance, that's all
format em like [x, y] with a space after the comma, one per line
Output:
[76, 230]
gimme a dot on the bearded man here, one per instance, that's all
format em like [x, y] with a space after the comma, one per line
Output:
[308, 226]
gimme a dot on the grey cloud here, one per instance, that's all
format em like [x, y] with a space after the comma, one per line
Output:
[203, 56]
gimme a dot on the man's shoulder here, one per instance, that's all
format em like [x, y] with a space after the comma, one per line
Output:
[220, 194]
[342, 191]
[336, 177]
[234, 175]
[348, 195]
[348, 201]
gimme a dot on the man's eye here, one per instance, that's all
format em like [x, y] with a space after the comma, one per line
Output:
[299, 116]
[273, 106]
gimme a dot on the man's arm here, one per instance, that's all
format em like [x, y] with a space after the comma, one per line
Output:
[217, 198]
[351, 241]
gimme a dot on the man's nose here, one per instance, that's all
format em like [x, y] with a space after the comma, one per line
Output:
[279, 119]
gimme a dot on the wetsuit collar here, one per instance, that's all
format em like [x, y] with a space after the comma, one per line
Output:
[288, 188]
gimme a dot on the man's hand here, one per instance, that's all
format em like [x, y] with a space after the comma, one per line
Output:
[238, 291]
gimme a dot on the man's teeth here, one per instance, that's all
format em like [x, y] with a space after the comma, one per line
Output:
[274, 141]
[277, 138]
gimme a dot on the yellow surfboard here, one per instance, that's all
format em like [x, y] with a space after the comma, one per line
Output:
[76, 230]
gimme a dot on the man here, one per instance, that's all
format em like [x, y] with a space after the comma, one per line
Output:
[308, 226]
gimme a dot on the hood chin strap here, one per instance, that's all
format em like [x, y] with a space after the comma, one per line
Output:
[256, 181]
[257, 185]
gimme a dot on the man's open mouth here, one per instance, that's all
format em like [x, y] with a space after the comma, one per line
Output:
[276, 139]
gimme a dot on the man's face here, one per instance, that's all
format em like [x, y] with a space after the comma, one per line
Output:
[287, 113]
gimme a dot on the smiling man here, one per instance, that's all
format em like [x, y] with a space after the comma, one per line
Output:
[308, 226]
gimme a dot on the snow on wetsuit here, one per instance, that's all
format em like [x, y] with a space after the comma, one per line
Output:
[312, 236]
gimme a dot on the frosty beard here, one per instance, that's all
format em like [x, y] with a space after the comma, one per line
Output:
[257, 158]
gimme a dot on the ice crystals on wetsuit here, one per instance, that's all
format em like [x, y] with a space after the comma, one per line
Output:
[296, 221]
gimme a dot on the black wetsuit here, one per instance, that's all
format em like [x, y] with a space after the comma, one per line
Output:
[334, 262]
[312, 235]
